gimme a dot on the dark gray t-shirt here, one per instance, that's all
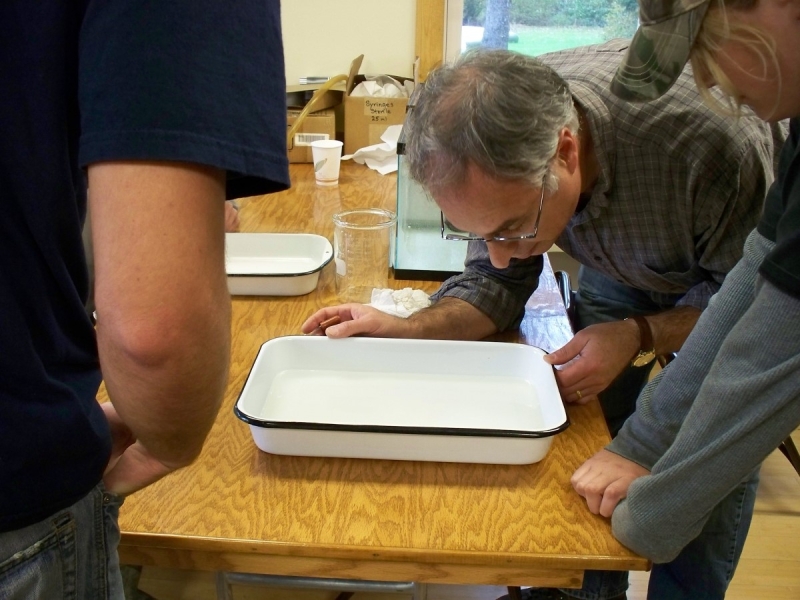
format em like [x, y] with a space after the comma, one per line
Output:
[781, 220]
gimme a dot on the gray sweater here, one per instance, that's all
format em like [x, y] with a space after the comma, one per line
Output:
[713, 415]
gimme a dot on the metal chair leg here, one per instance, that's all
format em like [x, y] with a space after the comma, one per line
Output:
[790, 451]
[224, 591]
[514, 593]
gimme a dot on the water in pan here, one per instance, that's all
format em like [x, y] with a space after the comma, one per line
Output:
[403, 399]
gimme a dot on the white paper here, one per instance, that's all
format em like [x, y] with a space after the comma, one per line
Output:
[383, 86]
[380, 157]
[400, 303]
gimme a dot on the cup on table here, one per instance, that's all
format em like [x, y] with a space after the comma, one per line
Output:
[363, 247]
[327, 156]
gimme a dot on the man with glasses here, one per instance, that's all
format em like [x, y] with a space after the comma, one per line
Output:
[654, 200]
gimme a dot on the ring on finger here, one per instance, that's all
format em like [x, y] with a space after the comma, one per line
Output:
[579, 394]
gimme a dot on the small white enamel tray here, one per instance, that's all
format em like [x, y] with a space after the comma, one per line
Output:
[448, 401]
[275, 264]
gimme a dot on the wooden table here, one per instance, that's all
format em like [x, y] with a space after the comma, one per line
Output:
[238, 509]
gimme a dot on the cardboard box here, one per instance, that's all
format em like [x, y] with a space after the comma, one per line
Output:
[320, 125]
[366, 118]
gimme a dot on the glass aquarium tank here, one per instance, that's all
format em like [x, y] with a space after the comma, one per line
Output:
[420, 251]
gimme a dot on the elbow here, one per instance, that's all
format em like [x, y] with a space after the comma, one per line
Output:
[163, 338]
[183, 458]
[650, 542]
[142, 344]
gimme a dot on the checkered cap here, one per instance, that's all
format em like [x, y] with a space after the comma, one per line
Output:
[659, 49]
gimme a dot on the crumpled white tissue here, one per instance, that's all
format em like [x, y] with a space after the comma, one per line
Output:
[383, 86]
[380, 157]
[400, 303]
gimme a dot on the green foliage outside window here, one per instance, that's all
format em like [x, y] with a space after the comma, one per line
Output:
[540, 26]
[556, 13]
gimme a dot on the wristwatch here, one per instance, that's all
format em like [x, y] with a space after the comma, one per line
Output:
[647, 352]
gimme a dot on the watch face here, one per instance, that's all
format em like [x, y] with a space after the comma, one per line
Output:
[643, 358]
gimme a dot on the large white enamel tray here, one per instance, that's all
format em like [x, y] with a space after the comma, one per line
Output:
[475, 402]
[275, 264]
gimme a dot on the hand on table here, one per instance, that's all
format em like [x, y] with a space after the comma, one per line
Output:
[356, 319]
[231, 217]
[604, 479]
[602, 351]
[131, 467]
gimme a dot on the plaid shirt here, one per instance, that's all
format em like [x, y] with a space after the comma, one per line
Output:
[679, 189]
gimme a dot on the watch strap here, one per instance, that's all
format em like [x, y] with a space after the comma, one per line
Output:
[645, 334]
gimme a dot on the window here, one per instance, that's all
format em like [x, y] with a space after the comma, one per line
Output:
[536, 27]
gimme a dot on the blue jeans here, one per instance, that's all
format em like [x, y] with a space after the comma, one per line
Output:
[70, 555]
[600, 299]
[704, 568]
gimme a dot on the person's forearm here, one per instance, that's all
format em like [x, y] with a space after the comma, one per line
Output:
[499, 294]
[663, 405]
[450, 319]
[163, 307]
[169, 392]
[671, 328]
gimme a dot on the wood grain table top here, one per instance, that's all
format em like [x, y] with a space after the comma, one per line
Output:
[239, 509]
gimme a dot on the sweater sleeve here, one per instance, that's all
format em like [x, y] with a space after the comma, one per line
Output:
[748, 403]
[662, 406]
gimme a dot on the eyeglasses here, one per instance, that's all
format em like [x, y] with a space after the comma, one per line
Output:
[468, 237]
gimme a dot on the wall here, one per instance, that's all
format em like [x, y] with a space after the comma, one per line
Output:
[322, 37]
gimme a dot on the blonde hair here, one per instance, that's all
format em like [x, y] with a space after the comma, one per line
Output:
[716, 30]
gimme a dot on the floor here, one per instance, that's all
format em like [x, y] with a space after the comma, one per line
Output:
[769, 569]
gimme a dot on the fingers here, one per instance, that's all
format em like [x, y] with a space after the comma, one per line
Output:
[346, 320]
[579, 383]
[135, 469]
[604, 479]
[566, 353]
[602, 500]
[613, 495]
[580, 391]
[580, 397]
[322, 319]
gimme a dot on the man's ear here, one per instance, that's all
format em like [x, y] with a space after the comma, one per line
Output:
[567, 153]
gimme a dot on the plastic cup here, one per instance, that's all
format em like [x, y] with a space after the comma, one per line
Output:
[363, 243]
[327, 156]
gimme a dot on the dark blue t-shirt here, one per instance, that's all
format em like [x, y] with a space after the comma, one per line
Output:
[781, 219]
[87, 81]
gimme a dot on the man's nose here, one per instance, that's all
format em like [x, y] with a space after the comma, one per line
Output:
[501, 253]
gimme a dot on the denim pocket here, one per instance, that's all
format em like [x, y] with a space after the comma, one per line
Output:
[47, 567]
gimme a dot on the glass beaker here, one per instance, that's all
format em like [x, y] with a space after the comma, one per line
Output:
[363, 246]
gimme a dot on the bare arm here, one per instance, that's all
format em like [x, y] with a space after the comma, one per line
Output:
[163, 309]
[448, 319]
[605, 349]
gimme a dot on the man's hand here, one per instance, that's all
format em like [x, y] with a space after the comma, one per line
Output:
[603, 481]
[231, 217]
[602, 352]
[356, 319]
[130, 467]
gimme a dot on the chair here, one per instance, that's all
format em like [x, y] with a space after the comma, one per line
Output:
[567, 294]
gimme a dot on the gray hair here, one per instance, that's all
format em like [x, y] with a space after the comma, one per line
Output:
[500, 110]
